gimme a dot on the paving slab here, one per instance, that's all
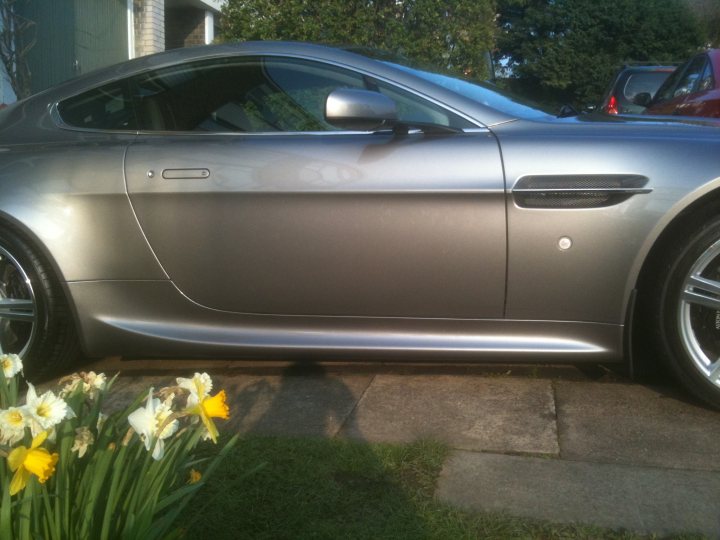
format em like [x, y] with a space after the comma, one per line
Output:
[635, 424]
[292, 405]
[641, 499]
[472, 413]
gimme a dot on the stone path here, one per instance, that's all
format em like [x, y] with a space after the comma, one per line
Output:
[550, 444]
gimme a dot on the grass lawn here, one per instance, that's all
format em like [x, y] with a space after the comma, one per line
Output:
[335, 489]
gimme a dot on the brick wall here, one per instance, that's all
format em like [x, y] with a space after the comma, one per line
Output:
[184, 27]
[149, 26]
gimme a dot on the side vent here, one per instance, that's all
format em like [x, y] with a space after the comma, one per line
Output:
[577, 191]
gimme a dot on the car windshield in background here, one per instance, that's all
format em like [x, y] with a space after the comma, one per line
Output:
[486, 93]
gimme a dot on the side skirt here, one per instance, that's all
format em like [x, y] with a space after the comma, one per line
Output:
[151, 318]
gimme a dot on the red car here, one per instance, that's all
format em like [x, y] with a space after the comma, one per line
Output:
[692, 90]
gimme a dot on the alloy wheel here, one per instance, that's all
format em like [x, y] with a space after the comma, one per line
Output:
[18, 310]
[699, 314]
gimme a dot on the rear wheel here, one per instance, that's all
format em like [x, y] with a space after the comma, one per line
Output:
[688, 311]
[35, 322]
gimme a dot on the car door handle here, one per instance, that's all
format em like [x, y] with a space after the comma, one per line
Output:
[186, 174]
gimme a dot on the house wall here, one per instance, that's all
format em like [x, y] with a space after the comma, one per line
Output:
[149, 26]
[184, 27]
[77, 36]
[74, 37]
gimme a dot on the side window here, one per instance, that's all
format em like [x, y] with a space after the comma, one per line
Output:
[666, 90]
[414, 110]
[641, 82]
[305, 86]
[690, 77]
[108, 108]
[236, 94]
[707, 82]
[239, 94]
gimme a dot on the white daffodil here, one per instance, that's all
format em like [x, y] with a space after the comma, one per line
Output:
[72, 382]
[45, 411]
[11, 364]
[95, 382]
[149, 420]
[101, 421]
[199, 387]
[162, 412]
[83, 439]
[13, 422]
[90, 382]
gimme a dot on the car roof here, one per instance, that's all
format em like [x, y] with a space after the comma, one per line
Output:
[639, 69]
[651, 68]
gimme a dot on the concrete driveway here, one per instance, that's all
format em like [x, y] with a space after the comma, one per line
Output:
[544, 442]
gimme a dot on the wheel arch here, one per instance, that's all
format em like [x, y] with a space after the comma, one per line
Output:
[28, 235]
[689, 211]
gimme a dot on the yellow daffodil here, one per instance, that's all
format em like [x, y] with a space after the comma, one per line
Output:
[34, 460]
[211, 407]
[195, 476]
[11, 364]
[12, 425]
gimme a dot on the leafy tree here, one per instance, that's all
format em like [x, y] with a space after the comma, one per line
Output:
[571, 48]
[456, 34]
[708, 14]
[17, 37]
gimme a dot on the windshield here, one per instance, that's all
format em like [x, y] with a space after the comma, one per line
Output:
[486, 93]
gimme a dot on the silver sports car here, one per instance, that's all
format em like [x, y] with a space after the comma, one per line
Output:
[297, 201]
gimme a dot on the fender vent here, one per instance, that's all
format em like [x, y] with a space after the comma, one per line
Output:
[577, 191]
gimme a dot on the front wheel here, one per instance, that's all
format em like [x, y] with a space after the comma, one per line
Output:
[35, 322]
[687, 311]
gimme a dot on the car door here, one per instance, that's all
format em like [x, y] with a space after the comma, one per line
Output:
[253, 203]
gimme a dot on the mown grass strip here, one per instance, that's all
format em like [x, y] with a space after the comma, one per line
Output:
[329, 489]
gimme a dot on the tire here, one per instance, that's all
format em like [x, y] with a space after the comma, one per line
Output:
[35, 321]
[686, 312]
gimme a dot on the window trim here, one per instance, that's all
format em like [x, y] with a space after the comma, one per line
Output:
[60, 123]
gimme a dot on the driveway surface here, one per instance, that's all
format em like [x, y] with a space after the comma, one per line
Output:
[543, 442]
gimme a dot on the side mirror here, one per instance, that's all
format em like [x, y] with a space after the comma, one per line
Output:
[361, 110]
[643, 99]
[567, 111]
